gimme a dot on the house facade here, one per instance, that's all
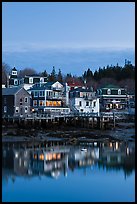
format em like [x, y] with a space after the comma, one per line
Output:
[30, 80]
[15, 102]
[112, 97]
[49, 97]
[14, 80]
[84, 100]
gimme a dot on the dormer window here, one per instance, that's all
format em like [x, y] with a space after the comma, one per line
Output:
[119, 91]
[31, 80]
[108, 91]
[41, 79]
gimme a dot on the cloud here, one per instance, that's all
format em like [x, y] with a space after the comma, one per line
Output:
[65, 47]
[74, 61]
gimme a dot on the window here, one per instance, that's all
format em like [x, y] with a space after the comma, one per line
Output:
[41, 93]
[30, 80]
[49, 103]
[15, 82]
[41, 103]
[5, 109]
[20, 101]
[26, 109]
[80, 103]
[35, 103]
[119, 91]
[35, 93]
[108, 91]
[17, 109]
[26, 99]
[94, 103]
[87, 103]
[42, 79]
[58, 103]
[14, 72]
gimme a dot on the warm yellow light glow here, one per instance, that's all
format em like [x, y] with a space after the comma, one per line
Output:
[54, 156]
[53, 103]
[35, 156]
[110, 144]
[41, 156]
[58, 156]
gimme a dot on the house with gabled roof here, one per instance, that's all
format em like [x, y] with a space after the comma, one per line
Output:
[49, 97]
[16, 102]
[112, 97]
[84, 100]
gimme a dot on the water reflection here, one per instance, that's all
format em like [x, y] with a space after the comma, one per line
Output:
[52, 160]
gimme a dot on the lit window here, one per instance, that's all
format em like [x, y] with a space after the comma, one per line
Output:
[41, 103]
[58, 103]
[35, 103]
[54, 103]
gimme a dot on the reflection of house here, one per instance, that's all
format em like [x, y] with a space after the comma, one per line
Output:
[49, 162]
[80, 158]
[15, 102]
[47, 97]
[21, 161]
[84, 100]
[52, 161]
[112, 97]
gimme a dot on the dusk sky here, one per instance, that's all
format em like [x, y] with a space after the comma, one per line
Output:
[70, 36]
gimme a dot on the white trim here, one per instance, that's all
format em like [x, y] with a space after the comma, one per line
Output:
[30, 80]
[113, 95]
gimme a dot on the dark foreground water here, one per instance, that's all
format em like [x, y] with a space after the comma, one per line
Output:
[103, 171]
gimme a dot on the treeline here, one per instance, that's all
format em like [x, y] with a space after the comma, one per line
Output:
[116, 72]
[117, 75]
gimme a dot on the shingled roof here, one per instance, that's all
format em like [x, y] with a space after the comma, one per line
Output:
[10, 91]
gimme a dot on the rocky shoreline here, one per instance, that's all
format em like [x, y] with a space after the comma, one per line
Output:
[122, 132]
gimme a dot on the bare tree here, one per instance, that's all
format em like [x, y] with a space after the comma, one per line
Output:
[5, 73]
[27, 71]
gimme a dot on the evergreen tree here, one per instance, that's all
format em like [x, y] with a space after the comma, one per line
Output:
[44, 74]
[52, 76]
[59, 77]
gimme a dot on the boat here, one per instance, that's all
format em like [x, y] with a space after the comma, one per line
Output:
[84, 149]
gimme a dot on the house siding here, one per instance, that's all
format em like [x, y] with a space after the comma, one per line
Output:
[8, 101]
[22, 94]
